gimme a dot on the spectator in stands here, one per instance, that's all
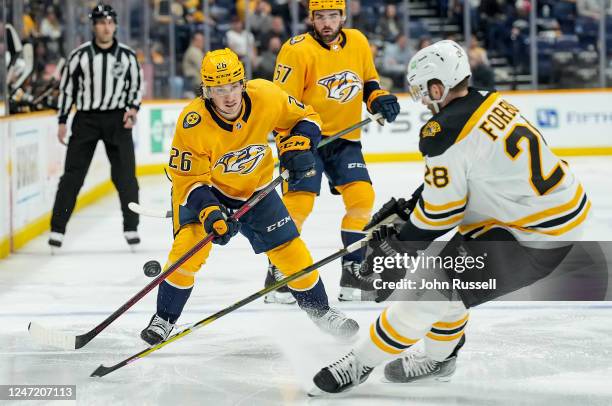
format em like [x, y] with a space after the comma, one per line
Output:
[241, 10]
[389, 25]
[482, 73]
[51, 30]
[30, 28]
[241, 41]
[267, 59]
[277, 29]
[496, 24]
[378, 57]
[590, 9]
[260, 21]
[456, 13]
[364, 22]
[282, 8]
[396, 58]
[192, 61]
[424, 42]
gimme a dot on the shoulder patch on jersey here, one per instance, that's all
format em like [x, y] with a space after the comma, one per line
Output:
[433, 140]
[430, 129]
[191, 120]
[297, 39]
[342, 86]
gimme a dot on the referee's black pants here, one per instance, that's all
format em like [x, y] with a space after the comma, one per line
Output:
[87, 129]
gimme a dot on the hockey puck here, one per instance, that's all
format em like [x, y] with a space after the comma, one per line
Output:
[152, 268]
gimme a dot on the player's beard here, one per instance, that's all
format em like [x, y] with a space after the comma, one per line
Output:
[329, 37]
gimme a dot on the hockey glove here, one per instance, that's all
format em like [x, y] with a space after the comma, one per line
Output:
[381, 101]
[295, 156]
[381, 245]
[216, 222]
[402, 207]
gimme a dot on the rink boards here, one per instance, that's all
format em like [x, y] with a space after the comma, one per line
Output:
[573, 123]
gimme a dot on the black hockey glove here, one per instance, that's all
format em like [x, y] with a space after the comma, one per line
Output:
[387, 105]
[382, 244]
[299, 163]
[403, 208]
[216, 222]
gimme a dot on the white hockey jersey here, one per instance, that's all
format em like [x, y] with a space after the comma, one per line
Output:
[486, 166]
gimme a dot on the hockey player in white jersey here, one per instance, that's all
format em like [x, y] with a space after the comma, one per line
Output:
[489, 172]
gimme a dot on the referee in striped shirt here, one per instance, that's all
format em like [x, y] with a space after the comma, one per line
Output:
[104, 81]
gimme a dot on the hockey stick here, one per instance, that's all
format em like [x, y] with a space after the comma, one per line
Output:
[161, 213]
[325, 141]
[102, 370]
[49, 337]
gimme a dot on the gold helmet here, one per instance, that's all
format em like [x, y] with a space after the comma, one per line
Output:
[315, 5]
[221, 67]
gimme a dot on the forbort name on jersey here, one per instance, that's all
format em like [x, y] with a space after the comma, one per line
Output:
[498, 117]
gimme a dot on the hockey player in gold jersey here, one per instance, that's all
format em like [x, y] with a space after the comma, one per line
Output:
[489, 172]
[331, 68]
[219, 158]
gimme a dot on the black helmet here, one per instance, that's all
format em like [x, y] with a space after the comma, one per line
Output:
[102, 11]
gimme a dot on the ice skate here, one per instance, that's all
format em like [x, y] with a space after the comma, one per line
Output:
[417, 366]
[55, 241]
[281, 295]
[336, 323]
[340, 376]
[157, 330]
[132, 238]
[352, 283]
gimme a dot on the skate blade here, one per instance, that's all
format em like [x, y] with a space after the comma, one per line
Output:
[283, 298]
[315, 392]
[433, 379]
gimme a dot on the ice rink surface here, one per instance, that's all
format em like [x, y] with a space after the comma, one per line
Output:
[516, 353]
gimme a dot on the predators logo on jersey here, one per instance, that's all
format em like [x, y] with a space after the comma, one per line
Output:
[342, 86]
[243, 161]
[431, 129]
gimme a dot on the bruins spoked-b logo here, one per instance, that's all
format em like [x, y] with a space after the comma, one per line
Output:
[431, 129]
[342, 86]
[191, 120]
[243, 161]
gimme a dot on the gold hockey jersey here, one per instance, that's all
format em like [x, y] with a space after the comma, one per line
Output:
[233, 157]
[487, 166]
[330, 79]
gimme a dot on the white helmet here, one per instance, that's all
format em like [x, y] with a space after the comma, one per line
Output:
[446, 61]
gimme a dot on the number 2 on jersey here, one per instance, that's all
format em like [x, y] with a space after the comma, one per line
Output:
[541, 183]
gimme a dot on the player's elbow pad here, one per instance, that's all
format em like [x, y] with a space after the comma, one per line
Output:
[201, 198]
